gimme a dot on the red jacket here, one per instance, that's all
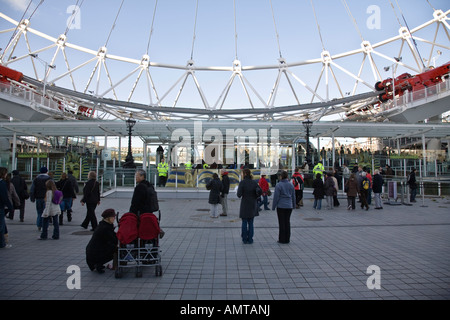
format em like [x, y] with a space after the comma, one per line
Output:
[294, 182]
[264, 186]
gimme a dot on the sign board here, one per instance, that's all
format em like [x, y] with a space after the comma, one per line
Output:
[392, 189]
[106, 154]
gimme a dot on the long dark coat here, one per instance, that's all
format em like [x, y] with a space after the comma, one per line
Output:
[102, 245]
[377, 183]
[215, 187]
[319, 191]
[91, 192]
[249, 191]
[353, 187]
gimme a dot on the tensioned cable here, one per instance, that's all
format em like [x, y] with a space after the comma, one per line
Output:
[21, 19]
[114, 24]
[74, 12]
[318, 26]
[195, 27]
[235, 31]
[276, 30]
[151, 27]
[353, 19]
[409, 31]
[431, 6]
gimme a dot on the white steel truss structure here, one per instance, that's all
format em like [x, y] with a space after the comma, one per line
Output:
[100, 92]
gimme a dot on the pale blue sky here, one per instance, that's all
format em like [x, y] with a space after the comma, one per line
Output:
[172, 37]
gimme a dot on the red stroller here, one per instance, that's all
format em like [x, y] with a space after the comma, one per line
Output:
[138, 243]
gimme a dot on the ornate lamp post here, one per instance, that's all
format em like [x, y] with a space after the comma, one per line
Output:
[308, 124]
[129, 161]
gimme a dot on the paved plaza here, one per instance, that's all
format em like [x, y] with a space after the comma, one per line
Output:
[204, 259]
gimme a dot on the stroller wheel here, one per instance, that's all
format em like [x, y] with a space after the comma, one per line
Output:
[118, 273]
[158, 271]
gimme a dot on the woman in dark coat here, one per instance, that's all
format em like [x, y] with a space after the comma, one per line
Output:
[215, 188]
[103, 244]
[91, 197]
[318, 192]
[352, 190]
[249, 191]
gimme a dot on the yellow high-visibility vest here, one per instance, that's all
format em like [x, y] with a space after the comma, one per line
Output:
[163, 168]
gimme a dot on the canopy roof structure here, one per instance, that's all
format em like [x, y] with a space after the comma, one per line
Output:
[171, 131]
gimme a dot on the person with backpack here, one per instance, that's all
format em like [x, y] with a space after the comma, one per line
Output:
[53, 198]
[297, 181]
[144, 199]
[364, 190]
[140, 202]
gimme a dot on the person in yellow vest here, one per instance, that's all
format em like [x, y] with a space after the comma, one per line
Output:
[163, 170]
[188, 165]
[318, 168]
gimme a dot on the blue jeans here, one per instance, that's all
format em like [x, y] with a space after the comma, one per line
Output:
[40, 206]
[66, 204]
[412, 196]
[2, 228]
[45, 223]
[317, 204]
[247, 230]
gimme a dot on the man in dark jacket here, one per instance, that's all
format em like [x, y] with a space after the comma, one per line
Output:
[139, 203]
[37, 193]
[412, 185]
[225, 191]
[21, 188]
[377, 188]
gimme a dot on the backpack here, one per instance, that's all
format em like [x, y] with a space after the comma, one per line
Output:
[152, 199]
[57, 197]
[365, 184]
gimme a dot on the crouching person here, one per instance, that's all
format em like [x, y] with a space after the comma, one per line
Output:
[103, 244]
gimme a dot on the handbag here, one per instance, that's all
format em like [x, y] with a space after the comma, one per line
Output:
[269, 193]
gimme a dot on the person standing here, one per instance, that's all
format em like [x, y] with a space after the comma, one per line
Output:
[215, 188]
[377, 187]
[37, 194]
[329, 190]
[318, 168]
[91, 197]
[412, 185]
[103, 244]
[369, 191]
[284, 200]
[352, 190]
[249, 191]
[22, 191]
[139, 203]
[4, 202]
[224, 193]
[66, 187]
[318, 192]
[163, 170]
[264, 185]
[51, 210]
[297, 181]
[363, 190]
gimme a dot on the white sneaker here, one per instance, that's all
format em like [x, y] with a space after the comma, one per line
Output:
[7, 246]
